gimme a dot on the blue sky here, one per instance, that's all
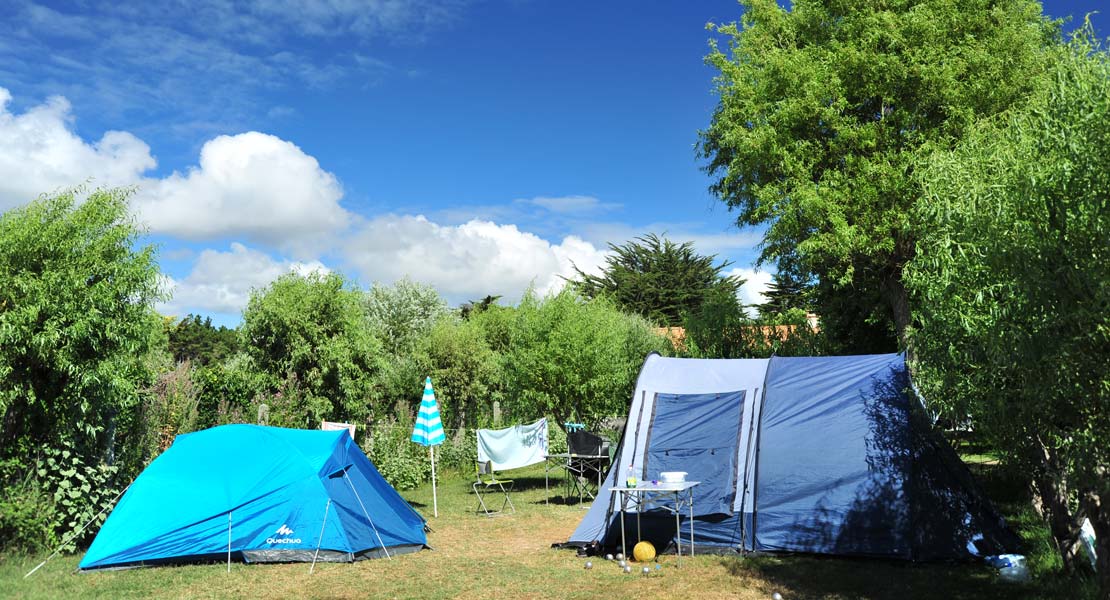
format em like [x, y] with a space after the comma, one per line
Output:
[477, 146]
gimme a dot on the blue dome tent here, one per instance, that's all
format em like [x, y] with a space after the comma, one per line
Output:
[257, 494]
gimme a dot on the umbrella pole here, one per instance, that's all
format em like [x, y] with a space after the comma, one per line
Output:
[435, 503]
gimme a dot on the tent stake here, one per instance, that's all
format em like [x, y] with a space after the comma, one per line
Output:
[321, 540]
[78, 532]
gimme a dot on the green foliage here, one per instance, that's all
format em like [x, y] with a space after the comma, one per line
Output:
[402, 313]
[1014, 282]
[75, 321]
[198, 341]
[313, 328]
[62, 492]
[81, 491]
[720, 329]
[169, 408]
[459, 452]
[827, 109]
[574, 359]
[465, 372]
[26, 510]
[656, 278]
[787, 291]
[401, 462]
[227, 390]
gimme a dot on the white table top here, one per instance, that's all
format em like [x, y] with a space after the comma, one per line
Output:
[662, 486]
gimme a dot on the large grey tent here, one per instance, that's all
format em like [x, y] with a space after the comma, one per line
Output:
[830, 455]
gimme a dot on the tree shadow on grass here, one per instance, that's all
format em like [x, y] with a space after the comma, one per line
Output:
[827, 577]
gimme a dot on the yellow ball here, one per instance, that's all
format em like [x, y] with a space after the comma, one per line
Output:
[643, 552]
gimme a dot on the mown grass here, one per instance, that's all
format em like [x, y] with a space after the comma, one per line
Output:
[511, 557]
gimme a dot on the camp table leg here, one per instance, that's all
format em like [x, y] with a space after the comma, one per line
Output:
[690, 498]
[677, 526]
[624, 498]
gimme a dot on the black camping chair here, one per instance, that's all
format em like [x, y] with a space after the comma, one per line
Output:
[587, 463]
[488, 482]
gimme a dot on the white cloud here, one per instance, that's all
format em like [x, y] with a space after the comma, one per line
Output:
[755, 284]
[570, 204]
[469, 260]
[39, 153]
[221, 282]
[251, 185]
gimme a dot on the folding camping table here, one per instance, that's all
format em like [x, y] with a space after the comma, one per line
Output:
[649, 495]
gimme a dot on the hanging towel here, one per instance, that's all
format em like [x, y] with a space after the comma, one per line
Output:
[515, 447]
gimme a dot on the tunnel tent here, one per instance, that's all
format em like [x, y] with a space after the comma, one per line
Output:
[827, 455]
[257, 494]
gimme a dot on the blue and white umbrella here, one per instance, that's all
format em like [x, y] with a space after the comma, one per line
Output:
[428, 431]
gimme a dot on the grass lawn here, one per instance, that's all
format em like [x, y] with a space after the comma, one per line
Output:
[511, 557]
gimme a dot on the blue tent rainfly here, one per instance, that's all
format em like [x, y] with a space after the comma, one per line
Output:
[257, 494]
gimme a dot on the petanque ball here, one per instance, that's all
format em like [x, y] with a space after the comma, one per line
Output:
[620, 556]
[643, 552]
[589, 565]
[622, 564]
[627, 569]
[647, 570]
[776, 596]
[608, 557]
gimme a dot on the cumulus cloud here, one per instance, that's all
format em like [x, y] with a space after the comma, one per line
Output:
[755, 284]
[41, 154]
[221, 282]
[252, 185]
[469, 260]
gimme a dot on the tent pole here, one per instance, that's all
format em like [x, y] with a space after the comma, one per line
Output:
[228, 541]
[321, 540]
[755, 473]
[78, 532]
[371, 521]
[435, 503]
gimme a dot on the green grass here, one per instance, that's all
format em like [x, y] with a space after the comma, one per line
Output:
[511, 557]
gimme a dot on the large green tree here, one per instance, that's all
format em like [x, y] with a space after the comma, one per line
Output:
[826, 109]
[197, 340]
[309, 334]
[574, 358]
[657, 278]
[78, 334]
[76, 317]
[1013, 290]
[465, 370]
[403, 312]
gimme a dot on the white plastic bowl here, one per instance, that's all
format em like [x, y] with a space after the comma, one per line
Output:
[673, 476]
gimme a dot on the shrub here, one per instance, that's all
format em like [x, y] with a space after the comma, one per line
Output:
[401, 462]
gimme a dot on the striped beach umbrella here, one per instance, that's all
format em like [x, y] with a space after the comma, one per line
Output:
[428, 431]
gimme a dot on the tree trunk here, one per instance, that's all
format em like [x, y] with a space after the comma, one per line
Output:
[895, 293]
[1053, 491]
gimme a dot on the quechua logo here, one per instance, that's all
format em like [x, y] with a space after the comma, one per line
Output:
[286, 536]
